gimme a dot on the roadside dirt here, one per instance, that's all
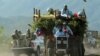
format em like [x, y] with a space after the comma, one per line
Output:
[89, 51]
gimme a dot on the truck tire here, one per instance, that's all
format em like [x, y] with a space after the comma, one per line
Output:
[37, 53]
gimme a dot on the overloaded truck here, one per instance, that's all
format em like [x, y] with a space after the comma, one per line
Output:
[44, 29]
[61, 45]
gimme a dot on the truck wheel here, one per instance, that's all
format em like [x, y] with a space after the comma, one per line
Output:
[37, 52]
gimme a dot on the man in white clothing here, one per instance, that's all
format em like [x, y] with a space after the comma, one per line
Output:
[64, 31]
[66, 12]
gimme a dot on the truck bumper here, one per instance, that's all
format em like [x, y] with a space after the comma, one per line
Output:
[61, 51]
[23, 50]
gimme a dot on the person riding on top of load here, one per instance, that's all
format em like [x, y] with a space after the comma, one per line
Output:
[66, 12]
[62, 30]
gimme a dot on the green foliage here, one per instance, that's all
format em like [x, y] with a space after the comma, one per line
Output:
[5, 44]
[1, 29]
[78, 26]
[4, 41]
[1, 35]
[46, 24]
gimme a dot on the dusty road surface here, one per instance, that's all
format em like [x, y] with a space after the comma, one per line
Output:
[89, 52]
[6, 54]
[10, 54]
[92, 51]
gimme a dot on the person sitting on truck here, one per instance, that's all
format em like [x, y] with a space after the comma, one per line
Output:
[50, 11]
[59, 33]
[66, 12]
[64, 30]
[57, 26]
[67, 30]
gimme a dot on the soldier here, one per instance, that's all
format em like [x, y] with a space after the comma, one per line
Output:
[15, 38]
[28, 37]
[28, 34]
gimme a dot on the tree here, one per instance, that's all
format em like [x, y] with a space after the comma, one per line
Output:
[1, 34]
[1, 29]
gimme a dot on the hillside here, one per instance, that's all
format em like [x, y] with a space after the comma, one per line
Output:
[12, 23]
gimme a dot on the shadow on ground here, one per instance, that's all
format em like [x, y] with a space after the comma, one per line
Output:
[92, 55]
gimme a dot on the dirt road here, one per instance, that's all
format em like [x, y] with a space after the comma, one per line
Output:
[89, 52]
[92, 51]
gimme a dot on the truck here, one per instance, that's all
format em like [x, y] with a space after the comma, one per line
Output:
[27, 44]
[73, 45]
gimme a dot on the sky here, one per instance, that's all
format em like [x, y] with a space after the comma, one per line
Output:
[16, 7]
[24, 8]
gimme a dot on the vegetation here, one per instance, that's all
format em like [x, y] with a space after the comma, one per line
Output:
[77, 25]
[1, 34]
[45, 24]
[4, 40]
